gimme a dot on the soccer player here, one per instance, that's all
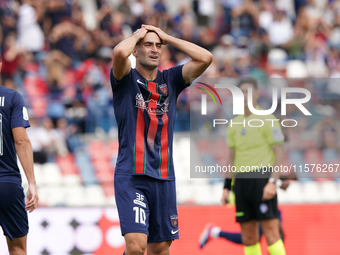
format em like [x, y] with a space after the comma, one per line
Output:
[144, 100]
[255, 191]
[14, 141]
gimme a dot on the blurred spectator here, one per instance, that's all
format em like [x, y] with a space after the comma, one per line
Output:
[8, 22]
[245, 18]
[35, 133]
[10, 56]
[160, 7]
[124, 8]
[280, 31]
[30, 35]
[204, 11]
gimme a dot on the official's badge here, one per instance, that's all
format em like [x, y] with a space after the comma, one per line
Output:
[263, 208]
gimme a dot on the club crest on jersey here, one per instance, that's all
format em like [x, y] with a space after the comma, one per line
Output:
[174, 220]
[164, 88]
[159, 110]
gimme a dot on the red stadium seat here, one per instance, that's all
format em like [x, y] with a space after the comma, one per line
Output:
[67, 164]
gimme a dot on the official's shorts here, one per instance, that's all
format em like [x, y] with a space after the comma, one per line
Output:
[248, 199]
[13, 217]
[147, 205]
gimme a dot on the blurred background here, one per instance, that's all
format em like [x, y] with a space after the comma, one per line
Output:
[57, 54]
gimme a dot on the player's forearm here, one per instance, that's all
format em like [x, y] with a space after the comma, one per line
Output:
[125, 47]
[25, 154]
[195, 52]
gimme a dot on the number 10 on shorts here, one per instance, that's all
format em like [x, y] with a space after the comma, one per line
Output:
[139, 215]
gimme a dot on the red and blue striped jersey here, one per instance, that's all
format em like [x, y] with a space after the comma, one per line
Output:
[145, 112]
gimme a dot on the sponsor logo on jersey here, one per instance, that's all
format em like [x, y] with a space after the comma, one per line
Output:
[243, 131]
[140, 82]
[24, 113]
[160, 110]
[2, 101]
[277, 135]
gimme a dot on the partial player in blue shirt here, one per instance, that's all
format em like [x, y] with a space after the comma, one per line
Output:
[14, 141]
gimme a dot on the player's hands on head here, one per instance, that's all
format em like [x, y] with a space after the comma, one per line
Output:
[225, 197]
[164, 37]
[32, 198]
[140, 33]
[269, 191]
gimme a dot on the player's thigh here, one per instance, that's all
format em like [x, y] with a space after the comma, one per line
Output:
[159, 248]
[244, 209]
[136, 243]
[163, 220]
[263, 209]
[17, 246]
[250, 232]
[271, 230]
[132, 204]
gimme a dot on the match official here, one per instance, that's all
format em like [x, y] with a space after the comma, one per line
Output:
[255, 191]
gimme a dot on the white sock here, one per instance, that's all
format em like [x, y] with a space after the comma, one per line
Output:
[215, 232]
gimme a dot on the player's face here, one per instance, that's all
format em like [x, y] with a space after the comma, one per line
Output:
[244, 87]
[148, 51]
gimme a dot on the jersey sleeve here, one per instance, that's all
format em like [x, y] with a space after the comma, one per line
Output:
[177, 78]
[19, 114]
[116, 84]
[273, 132]
[230, 138]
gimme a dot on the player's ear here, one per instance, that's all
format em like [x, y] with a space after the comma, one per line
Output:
[134, 52]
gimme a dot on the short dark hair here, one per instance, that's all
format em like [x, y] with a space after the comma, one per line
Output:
[249, 80]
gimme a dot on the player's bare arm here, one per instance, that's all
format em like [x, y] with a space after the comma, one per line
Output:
[229, 175]
[200, 58]
[269, 190]
[24, 150]
[121, 64]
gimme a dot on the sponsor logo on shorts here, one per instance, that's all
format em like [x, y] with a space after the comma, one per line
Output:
[139, 200]
[174, 232]
[174, 221]
[263, 208]
[239, 214]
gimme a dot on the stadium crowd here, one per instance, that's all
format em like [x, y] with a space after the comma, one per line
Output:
[61, 64]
